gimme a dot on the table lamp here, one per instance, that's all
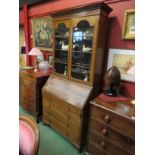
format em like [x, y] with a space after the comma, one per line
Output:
[35, 52]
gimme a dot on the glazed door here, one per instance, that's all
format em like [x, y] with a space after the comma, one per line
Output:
[83, 49]
[61, 47]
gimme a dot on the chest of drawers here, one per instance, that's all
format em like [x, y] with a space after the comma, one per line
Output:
[111, 127]
[30, 95]
[65, 108]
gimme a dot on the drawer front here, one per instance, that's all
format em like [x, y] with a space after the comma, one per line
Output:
[68, 131]
[61, 112]
[113, 136]
[106, 145]
[46, 106]
[73, 136]
[60, 117]
[28, 95]
[113, 120]
[26, 76]
[70, 117]
[59, 107]
[94, 150]
[28, 83]
[27, 80]
[28, 90]
[71, 127]
[58, 103]
[58, 126]
[28, 103]
[46, 118]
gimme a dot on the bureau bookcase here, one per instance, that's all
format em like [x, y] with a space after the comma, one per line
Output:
[79, 47]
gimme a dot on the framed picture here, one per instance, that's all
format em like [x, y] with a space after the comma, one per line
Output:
[51, 60]
[129, 25]
[125, 61]
[42, 33]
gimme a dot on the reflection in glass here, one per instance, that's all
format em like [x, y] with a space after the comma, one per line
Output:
[61, 55]
[61, 68]
[80, 73]
[61, 37]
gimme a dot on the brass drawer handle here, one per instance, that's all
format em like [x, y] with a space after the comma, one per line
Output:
[104, 132]
[102, 144]
[107, 118]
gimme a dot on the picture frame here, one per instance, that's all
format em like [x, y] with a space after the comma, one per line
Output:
[124, 60]
[42, 32]
[128, 31]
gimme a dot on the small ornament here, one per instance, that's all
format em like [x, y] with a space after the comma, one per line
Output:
[86, 75]
[86, 78]
[65, 72]
[112, 81]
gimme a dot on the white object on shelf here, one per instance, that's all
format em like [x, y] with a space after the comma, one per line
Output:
[64, 47]
[44, 66]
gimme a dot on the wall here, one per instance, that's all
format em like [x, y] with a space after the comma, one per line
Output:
[115, 40]
[21, 17]
[115, 26]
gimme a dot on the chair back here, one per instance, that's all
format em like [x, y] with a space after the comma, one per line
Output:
[28, 136]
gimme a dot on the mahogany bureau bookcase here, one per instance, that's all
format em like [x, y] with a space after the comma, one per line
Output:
[111, 127]
[79, 46]
[30, 96]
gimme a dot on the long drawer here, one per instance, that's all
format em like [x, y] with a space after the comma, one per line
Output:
[70, 133]
[104, 130]
[95, 150]
[107, 117]
[61, 114]
[59, 104]
[105, 145]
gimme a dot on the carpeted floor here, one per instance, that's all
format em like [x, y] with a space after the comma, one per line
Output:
[51, 142]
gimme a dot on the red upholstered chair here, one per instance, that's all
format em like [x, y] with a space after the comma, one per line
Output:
[28, 136]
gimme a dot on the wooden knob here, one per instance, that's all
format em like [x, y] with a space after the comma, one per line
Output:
[107, 118]
[102, 144]
[104, 132]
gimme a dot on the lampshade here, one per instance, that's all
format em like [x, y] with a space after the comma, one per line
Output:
[35, 51]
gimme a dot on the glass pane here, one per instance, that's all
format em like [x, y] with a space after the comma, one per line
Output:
[61, 68]
[76, 57]
[62, 31]
[80, 73]
[82, 50]
[61, 49]
[61, 55]
[86, 59]
[61, 37]
[61, 44]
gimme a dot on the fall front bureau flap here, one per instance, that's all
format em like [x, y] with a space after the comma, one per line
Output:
[75, 94]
